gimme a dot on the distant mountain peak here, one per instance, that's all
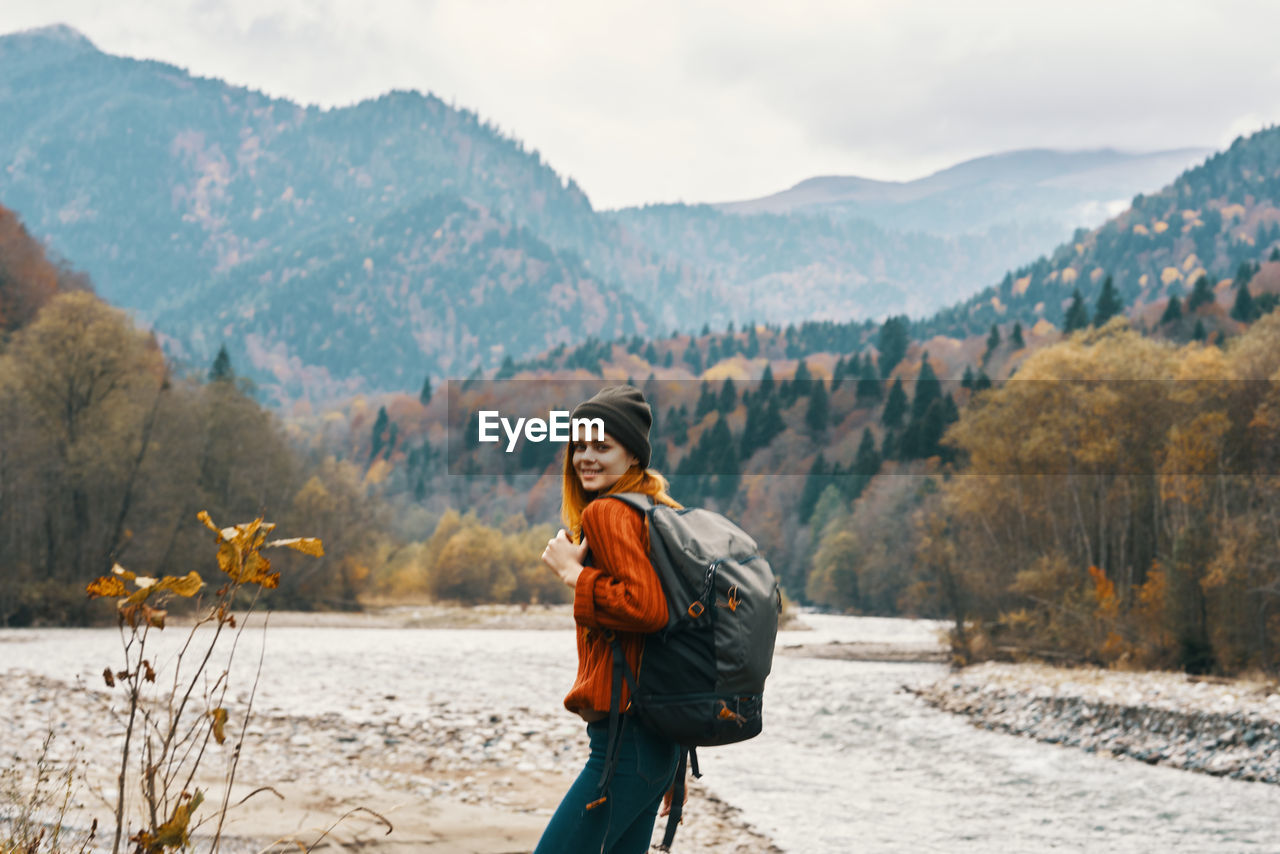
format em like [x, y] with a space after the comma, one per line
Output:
[63, 34]
[42, 47]
[1083, 173]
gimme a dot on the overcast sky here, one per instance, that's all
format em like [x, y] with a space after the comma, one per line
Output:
[681, 100]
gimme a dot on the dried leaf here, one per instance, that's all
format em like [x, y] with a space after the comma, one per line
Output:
[108, 678]
[148, 672]
[228, 557]
[306, 545]
[122, 572]
[186, 586]
[203, 516]
[105, 586]
[257, 570]
[173, 833]
[219, 724]
[155, 616]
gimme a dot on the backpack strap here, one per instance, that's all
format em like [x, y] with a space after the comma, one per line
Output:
[640, 501]
[621, 672]
[677, 801]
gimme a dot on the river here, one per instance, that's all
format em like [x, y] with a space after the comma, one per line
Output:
[848, 761]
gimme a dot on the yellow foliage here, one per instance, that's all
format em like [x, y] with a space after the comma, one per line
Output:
[105, 586]
[1020, 286]
[1104, 593]
[378, 472]
[306, 545]
[1230, 212]
[219, 716]
[1190, 261]
[1142, 229]
[1160, 227]
[1143, 279]
[1169, 275]
[1043, 327]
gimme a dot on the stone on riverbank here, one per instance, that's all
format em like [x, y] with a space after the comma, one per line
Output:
[1219, 727]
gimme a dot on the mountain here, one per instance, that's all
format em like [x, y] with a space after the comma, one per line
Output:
[1219, 221]
[1070, 188]
[360, 248]
[841, 247]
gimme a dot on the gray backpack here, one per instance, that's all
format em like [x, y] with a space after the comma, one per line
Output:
[701, 679]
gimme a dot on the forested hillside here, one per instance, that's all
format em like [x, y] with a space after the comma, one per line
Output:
[177, 193]
[107, 455]
[1196, 240]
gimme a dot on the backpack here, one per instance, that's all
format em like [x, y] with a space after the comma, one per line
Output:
[701, 679]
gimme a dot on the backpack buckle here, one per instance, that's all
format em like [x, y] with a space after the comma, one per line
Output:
[697, 609]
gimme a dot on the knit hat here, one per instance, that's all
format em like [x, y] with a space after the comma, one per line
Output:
[626, 417]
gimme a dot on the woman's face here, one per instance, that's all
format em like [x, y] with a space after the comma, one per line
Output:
[599, 464]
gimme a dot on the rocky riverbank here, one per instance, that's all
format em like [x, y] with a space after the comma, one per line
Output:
[461, 779]
[1228, 728]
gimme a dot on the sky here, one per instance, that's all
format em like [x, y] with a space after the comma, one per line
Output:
[686, 100]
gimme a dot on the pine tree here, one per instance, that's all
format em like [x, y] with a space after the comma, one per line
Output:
[803, 380]
[728, 396]
[220, 370]
[1077, 316]
[766, 381]
[1201, 294]
[928, 389]
[677, 426]
[837, 374]
[1172, 311]
[1244, 309]
[967, 380]
[982, 381]
[819, 413]
[867, 460]
[1016, 340]
[424, 396]
[895, 408]
[1199, 333]
[380, 429]
[993, 341]
[725, 460]
[870, 388]
[814, 483]
[651, 354]
[693, 358]
[773, 423]
[1109, 303]
[707, 401]
[892, 343]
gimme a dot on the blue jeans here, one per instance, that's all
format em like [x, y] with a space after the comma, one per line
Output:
[624, 823]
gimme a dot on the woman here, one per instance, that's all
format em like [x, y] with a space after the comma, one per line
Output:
[619, 594]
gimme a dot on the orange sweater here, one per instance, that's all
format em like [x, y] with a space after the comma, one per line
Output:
[620, 592]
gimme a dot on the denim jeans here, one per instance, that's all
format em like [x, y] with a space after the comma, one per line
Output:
[624, 823]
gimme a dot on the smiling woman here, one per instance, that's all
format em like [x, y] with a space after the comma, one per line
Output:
[604, 557]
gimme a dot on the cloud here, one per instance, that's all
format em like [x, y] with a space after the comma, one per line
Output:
[697, 100]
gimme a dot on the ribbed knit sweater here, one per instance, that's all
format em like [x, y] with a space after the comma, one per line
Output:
[620, 591]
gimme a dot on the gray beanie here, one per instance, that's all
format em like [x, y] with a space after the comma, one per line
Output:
[626, 417]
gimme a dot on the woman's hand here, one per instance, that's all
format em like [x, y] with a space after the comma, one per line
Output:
[666, 801]
[565, 557]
